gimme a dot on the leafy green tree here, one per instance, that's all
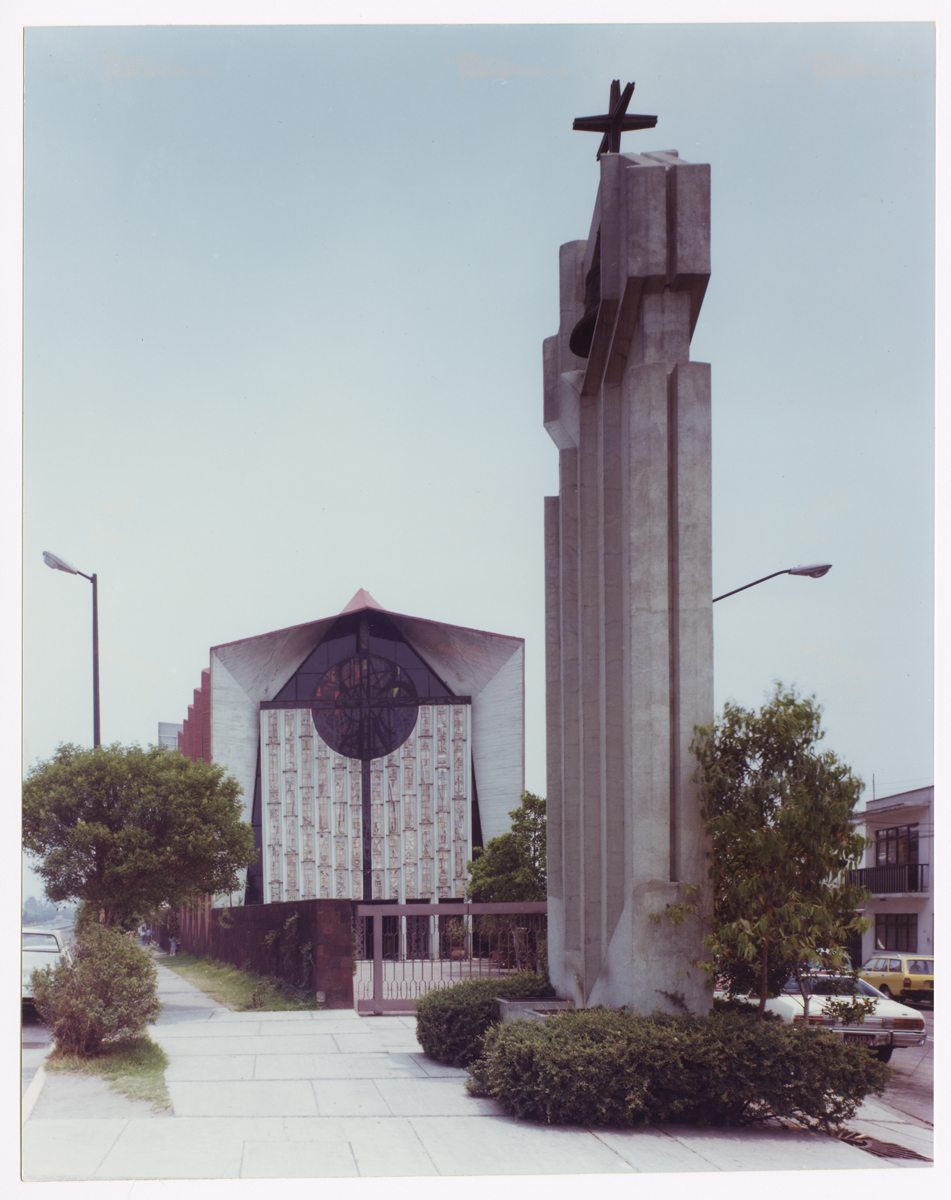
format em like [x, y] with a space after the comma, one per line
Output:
[514, 865]
[35, 912]
[126, 830]
[778, 811]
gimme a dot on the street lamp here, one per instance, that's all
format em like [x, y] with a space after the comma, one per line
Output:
[58, 564]
[816, 571]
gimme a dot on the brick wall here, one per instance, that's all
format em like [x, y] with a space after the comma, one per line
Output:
[306, 943]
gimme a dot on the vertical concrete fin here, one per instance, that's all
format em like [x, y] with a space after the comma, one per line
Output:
[553, 686]
[673, 618]
[589, 625]
[691, 383]
[570, 748]
[612, 633]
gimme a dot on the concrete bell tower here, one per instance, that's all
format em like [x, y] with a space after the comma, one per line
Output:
[629, 628]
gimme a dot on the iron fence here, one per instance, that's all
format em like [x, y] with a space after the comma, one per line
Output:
[403, 951]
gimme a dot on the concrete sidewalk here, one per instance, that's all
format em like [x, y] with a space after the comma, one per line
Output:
[331, 1094]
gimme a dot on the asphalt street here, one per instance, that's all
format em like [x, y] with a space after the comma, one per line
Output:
[911, 1090]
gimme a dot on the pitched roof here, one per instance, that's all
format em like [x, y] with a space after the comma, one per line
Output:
[362, 599]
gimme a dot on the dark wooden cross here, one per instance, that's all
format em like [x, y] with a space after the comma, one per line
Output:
[612, 124]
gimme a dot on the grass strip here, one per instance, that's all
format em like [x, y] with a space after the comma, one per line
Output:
[241, 991]
[133, 1066]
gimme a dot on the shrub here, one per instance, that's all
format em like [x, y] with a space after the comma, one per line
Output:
[600, 1067]
[732, 1005]
[451, 1021]
[108, 992]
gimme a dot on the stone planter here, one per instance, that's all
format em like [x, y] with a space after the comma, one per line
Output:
[529, 1009]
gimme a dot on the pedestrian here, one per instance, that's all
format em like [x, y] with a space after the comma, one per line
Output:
[173, 943]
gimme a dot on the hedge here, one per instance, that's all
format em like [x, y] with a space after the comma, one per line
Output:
[601, 1067]
[451, 1021]
[109, 991]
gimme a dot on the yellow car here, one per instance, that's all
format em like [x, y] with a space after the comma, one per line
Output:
[905, 976]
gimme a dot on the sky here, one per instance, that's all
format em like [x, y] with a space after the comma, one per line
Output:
[284, 295]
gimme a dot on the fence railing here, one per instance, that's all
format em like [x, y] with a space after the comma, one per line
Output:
[406, 950]
[882, 881]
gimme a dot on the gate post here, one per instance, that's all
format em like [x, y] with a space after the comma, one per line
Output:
[377, 960]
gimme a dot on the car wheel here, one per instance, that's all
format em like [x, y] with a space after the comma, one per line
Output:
[885, 992]
[883, 1053]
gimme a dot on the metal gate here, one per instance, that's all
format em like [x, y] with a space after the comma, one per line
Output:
[405, 950]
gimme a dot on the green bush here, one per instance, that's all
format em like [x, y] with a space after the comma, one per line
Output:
[600, 1067]
[451, 1021]
[732, 1005]
[109, 991]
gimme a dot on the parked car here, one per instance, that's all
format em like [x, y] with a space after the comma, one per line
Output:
[909, 976]
[40, 948]
[889, 1026]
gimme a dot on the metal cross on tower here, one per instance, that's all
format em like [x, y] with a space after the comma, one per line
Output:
[612, 124]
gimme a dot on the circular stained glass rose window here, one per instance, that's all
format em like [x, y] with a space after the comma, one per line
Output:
[365, 707]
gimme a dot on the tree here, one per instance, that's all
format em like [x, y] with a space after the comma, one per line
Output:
[514, 865]
[778, 812]
[126, 830]
[35, 912]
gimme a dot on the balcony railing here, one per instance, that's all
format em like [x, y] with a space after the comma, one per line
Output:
[884, 881]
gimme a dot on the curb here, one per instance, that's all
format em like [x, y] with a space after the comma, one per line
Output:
[32, 1094]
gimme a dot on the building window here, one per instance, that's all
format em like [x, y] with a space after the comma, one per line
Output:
[896, 931]
[896, 846]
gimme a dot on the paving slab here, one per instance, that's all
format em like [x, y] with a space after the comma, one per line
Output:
[375, 1043]
[171, 1150]
[64, 1148]
[337, 1066]
[350, 1098]
[479, 1146]
[208, 1031]
[381, 1146]
[251, 1043]
[208, 1067]
[767, 1149]
[437, 1070]
[653, 1150]
[324, 1157]
[244, 1098]
[305, 1028]
[434, 1098]
[68, 1096]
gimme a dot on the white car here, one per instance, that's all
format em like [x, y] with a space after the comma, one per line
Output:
[889, 1026]
[40, 948]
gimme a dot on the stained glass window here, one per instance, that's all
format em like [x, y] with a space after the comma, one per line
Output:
[365, 706]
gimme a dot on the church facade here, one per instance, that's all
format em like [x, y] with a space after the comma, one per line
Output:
[374, 750]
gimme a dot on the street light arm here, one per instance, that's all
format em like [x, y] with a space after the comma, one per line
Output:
[815, 571]
[749, 585]
[60, 564]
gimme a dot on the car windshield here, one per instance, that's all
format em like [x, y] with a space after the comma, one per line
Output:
[830, 985]
[41, 941]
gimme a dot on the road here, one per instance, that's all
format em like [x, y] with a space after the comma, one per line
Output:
[34, 1038]
[911, 1091]
[34, 1043]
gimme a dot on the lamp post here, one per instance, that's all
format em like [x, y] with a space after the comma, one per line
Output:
[58, 564]
[816, 571]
